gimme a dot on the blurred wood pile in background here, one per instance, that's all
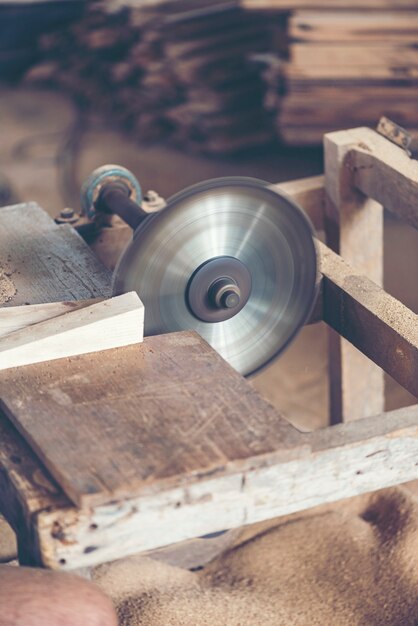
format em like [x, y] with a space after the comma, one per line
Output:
[347, 63]
[219, 76]
[175, 70]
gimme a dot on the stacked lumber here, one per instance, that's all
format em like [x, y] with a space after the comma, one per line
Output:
[345, 67]
[174, 69]
[347, 70]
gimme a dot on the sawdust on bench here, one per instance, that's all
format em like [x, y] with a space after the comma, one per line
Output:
[350, 565]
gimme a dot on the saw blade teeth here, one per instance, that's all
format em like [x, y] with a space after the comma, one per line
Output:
[232, 217]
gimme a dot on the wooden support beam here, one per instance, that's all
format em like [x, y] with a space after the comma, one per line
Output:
[380, 326]
[163, 412]
[354, 228]
[309, 193]
[385, 172]
[111, 323]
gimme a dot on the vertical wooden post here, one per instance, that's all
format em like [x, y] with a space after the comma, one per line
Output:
[354, 229]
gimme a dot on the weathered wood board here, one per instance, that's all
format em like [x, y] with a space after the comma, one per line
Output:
[342, 64]
[110, 323]
[339, 462]
[373, 321]
[351, 55]
[383, 171]
[42, 262]
[117, 423]
[354, 26]
[16, 318]
[354, 228]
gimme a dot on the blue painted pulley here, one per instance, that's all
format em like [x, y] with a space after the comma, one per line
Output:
[102, 176]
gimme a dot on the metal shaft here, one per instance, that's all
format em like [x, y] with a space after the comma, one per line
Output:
[115, 198]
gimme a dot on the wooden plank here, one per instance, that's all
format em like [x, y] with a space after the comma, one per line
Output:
[353, 26]
[354, 73]
[112, 323]
[39, 261]
[354, 227]
[351, 55]
[346, 460]
[365, 106]
[380, 326]
[18, 317]
[385, 172]
[117, 423]
[309, 193]
[43, 262]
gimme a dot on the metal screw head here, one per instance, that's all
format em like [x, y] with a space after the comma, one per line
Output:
[67, 213]
[67, 216]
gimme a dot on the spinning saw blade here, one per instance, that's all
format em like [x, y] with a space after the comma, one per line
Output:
[229, 258]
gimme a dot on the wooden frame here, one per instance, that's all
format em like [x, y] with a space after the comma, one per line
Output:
[333, 463]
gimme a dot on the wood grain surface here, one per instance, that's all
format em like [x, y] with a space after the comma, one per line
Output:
[124, 421]
[110, 323]
[42, 262]
[373, 321]
[354, 229]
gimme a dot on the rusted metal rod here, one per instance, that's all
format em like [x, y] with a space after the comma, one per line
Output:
[115, 198]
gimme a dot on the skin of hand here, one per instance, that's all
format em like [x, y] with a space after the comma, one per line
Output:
[35, 597]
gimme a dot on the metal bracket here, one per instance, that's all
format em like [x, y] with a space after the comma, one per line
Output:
[395, 133]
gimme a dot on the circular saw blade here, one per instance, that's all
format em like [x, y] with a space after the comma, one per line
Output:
[229, 217]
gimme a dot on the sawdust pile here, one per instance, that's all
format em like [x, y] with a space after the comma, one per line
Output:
[352, 564]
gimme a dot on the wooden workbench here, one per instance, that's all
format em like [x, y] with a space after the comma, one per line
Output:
[164, 442]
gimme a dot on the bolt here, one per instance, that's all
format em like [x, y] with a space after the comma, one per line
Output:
[224, 293]
[67, 213]
[67, 216]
